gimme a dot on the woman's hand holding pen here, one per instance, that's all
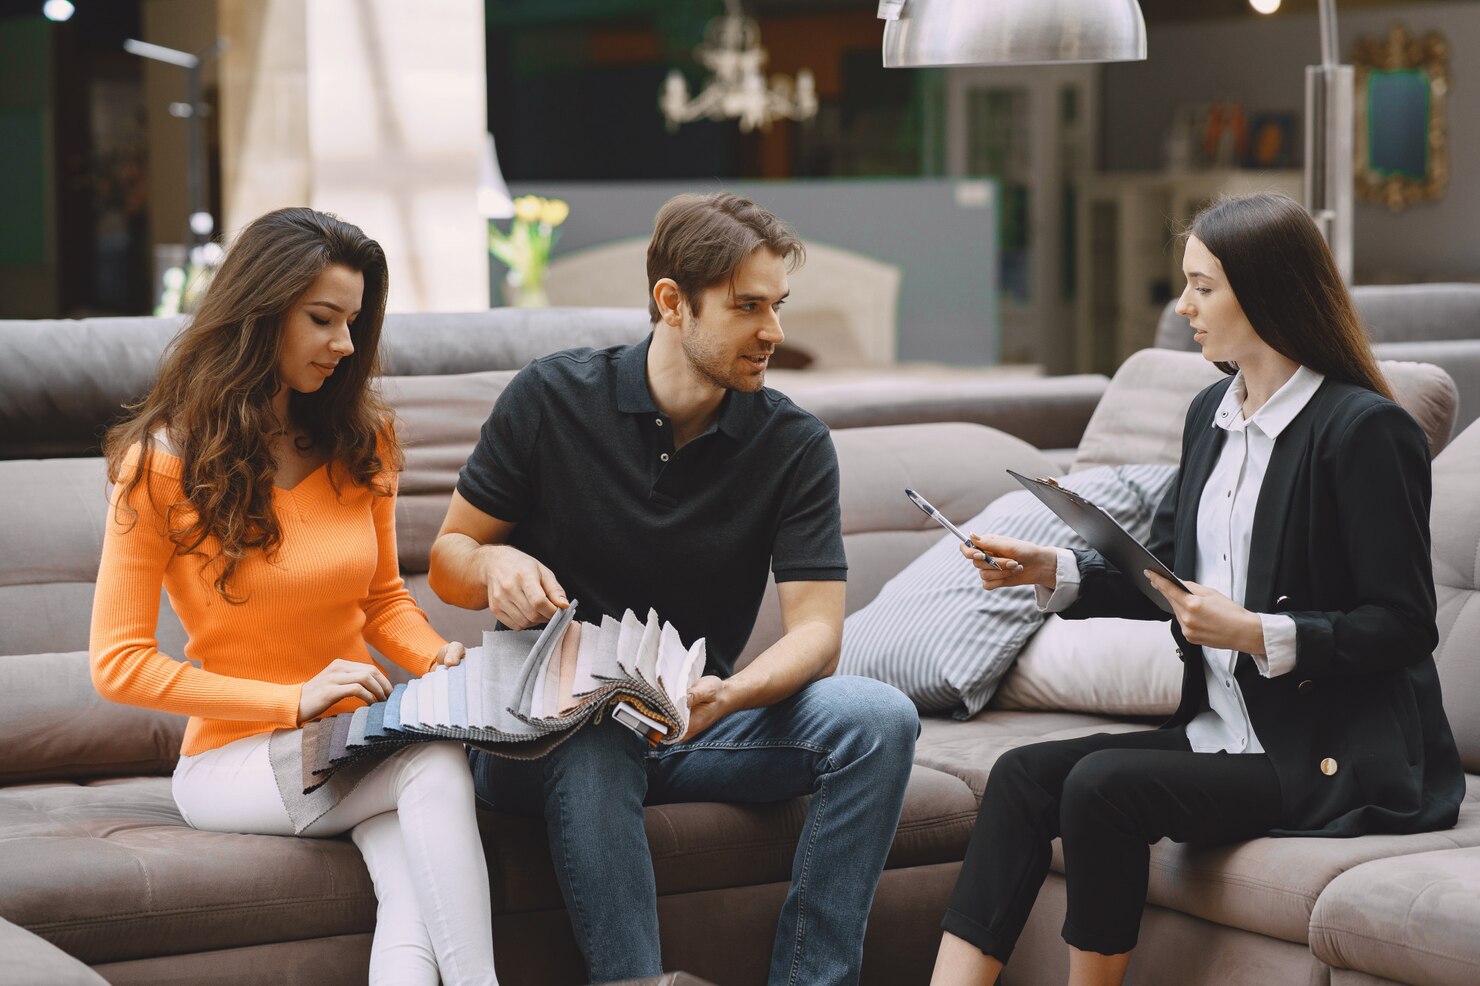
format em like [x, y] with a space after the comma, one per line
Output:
[1210, 619]
[1020, 562]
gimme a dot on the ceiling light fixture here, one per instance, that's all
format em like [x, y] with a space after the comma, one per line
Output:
[921, 33]
[737, 90]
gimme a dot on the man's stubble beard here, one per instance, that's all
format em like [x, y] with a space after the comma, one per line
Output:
[715, 365]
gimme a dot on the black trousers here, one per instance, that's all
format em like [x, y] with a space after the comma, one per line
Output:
[1109, 796]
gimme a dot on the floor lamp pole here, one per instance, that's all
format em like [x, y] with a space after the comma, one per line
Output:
[1329, 123]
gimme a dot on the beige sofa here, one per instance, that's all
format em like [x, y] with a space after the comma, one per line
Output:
[95, 860]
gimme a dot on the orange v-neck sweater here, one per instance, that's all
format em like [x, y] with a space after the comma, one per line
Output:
[332, 586]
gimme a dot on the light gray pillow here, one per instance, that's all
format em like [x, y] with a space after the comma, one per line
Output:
[937, 636]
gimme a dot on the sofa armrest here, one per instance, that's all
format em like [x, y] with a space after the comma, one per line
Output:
[30, 960]
[1045, 412]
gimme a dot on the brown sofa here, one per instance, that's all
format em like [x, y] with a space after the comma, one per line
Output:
[95, 860]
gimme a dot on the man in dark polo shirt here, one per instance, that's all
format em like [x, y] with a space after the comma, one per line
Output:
[664, 475]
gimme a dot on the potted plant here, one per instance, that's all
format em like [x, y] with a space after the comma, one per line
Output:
[525, 248]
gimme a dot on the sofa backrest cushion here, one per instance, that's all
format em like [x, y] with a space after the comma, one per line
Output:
[433, 343]
[62, 382]
[1140, 418]
[57, 727]
[51, 538]
[440, 418]
[1391, 312]
[1455, 519]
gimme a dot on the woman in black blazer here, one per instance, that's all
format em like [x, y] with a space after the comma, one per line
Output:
[1310, 701]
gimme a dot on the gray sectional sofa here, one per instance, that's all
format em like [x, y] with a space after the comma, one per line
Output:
[98, 870]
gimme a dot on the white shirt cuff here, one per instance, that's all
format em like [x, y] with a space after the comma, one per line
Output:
[1063, 595]
[1279, 645]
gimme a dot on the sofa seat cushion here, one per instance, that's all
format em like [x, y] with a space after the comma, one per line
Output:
[1267, 886]
[968, 749]
[108, 871]
[1414, 918]
[1270, 886]
[707, 846]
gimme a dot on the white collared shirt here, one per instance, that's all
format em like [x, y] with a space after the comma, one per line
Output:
[1225, 525]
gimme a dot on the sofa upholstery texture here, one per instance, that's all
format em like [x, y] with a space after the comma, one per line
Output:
[97, 865]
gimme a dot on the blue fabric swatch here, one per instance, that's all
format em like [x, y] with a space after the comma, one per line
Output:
[392, 721]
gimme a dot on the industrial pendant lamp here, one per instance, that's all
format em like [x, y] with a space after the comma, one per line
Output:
[1011, 32]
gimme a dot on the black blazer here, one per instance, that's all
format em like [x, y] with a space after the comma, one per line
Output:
[1356, 732]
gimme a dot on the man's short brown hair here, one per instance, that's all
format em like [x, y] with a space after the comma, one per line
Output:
[701, 240]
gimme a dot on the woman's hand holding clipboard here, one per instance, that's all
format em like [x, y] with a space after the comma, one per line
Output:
[1003, 561]
[1105, 535]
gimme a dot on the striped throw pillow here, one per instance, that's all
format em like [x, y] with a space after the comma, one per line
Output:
[936, 635]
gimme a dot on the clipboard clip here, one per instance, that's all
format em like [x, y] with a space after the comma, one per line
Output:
[1050, 481]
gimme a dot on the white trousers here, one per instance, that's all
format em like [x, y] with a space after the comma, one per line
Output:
[413, 819]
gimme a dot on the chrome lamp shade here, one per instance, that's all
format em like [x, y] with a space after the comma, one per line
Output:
[1011, 32]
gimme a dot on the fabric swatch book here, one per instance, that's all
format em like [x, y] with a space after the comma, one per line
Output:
[518, 695]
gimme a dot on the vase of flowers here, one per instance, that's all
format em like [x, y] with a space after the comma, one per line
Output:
[525, 248]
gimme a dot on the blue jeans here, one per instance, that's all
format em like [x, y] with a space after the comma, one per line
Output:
[848, 742]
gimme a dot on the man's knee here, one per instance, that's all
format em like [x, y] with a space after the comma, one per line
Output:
[602, 760]
[867, 716]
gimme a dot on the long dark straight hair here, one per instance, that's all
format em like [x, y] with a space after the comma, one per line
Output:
[1286, 281]
[216, 384]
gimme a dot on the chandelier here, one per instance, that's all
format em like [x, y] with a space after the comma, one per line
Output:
[737, 90]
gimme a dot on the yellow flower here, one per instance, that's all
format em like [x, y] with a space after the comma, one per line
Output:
[554, 212]
[527, 208]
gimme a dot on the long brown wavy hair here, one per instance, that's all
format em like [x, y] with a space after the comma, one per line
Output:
[1287, 283]
[213, 396]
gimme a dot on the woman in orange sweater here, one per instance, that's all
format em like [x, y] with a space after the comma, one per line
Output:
[256, 483]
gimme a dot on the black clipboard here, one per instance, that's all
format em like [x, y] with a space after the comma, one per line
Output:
[1104, 534]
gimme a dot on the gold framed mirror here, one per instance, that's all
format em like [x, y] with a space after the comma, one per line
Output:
[1402, 138]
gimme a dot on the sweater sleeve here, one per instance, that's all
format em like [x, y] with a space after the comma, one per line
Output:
[127, 665]
[394, 624]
